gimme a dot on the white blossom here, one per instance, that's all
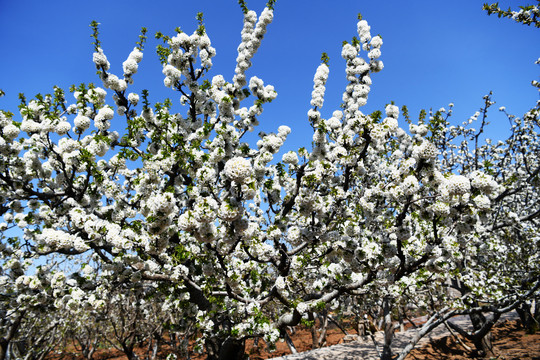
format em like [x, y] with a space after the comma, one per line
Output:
[238, 169]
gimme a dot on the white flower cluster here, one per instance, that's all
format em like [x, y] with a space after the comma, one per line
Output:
[280, 283]
[206, 175]
[426, 151]
[483, 182]
[335, 121]
[113, 82]
[63, 127]
[100, 60]
[172, 75]
[131, 65]
[358, 70]
[81, 123]
[229, 211]
[265, 93]
[440, 208]
[58, 279]
[238, 169]
[363, 30]
[69, 149]
[10, 132]
[205, 210]
[392, 111]
[187, 221]
[458, 185]
[349, 52]
[290, 158]
[185, 49]
[252, 34]
[181, 40]
[133, 98]
[271, 143]
[388, 126]
[527, 15]
[96, 147]
[103, 117]
[271, 335]
[284, 131]
[482, 202]
[376, 42]
[57, 239]
[319, 82]
[410, 185]
[162, 203]
[421, 129]
[35, 119]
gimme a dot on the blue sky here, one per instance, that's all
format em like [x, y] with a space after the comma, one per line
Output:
[435, 52]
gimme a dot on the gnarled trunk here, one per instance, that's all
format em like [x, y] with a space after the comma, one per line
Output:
[529, 320]
[483, 344]
[388, 329]
[5, 341]
[228, 349]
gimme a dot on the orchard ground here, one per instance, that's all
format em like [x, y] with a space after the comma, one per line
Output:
[510, 342]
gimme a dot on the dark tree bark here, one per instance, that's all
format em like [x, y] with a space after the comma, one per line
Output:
[4, 341]
[388, 329]
[529, 321]
[483, 344]
[229, 349]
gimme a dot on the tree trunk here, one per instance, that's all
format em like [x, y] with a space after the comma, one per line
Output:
[482, 344]
[313, 330]
[128, 350]
[90, 354]
[536, 315]
[388, 329]
[289, 341]
[3, 348]
[324, 329]
[4, 342]
[528, 320]
[229, 349]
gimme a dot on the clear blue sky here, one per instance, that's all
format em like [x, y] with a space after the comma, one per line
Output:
[435, 52]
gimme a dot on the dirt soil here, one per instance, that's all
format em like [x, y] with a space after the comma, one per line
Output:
[301, 339]
[510, 343]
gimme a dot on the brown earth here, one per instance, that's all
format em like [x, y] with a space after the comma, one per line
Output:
[301, 339]
[510, 341]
